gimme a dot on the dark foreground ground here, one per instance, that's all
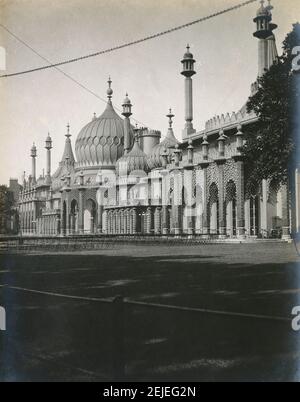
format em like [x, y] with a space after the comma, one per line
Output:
[55, 338]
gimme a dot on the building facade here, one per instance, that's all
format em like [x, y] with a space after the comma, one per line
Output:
[126, 180]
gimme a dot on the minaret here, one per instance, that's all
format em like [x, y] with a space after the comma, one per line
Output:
[48, 146]
[33, 155]
[267, 52]
[188, 71]
[127, 113]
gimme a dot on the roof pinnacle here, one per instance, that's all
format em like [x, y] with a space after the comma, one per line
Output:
[68, 135]
[109, 90]
[170, 116]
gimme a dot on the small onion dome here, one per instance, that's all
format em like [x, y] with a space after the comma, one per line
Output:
[135, 160]
[165, 148]
[126, 100]
[262, 11]
[48, 142]
[188, 54]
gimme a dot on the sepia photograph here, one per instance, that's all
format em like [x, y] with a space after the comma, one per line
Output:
[149, 193]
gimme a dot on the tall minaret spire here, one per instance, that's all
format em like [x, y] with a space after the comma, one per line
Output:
[188, 71]
[127, 113]
[48, 146]
[33, 155]
[267, 51]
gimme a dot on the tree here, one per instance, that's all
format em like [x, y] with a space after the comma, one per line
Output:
[6, 208]
[270, 142]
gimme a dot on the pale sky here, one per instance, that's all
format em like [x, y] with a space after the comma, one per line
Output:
[33, 104]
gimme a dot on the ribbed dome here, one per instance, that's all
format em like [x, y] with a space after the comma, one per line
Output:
[100, 142]
[169, 143]
[135, 160]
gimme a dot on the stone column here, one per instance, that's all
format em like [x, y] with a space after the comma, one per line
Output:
[222, 226]
[134, 220]
[34, 218]
[92, 220]
[118, 221]
[165, 219]
[157, 220]
[264, 209]
[61, 215]
[58, 225]
[176, 217]
[114, 222]
[100, 219]
[149, 220]
[81, 211]
[205, 229]
[67, 213]
[30, 219]
[286, 235]
[130, 221]
[127, 221]
[190, 222]
[108, 222]
[240, 199]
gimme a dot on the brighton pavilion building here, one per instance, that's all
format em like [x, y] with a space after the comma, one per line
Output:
[127, 180]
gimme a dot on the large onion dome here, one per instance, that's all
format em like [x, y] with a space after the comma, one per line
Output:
[166, 147]
[135, 160]
[101, 142]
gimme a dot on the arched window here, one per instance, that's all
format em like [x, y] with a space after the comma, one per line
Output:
[230, 202]
[213, 209]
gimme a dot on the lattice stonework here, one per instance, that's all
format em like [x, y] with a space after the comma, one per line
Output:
[230, 172]
[194, 183]
[90, 194]
[74, 195]
[230, 191]
[212, 175]
[213, 193]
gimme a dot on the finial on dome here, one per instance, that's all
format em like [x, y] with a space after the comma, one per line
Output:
[109, 90]
[68, 135]
[170, 116]
[94, 116]
[188, 47]
[270, 7]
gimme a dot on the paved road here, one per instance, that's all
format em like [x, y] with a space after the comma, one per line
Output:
[54, 338]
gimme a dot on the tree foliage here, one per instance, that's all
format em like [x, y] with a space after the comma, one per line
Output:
[270, 142]
[6, 205]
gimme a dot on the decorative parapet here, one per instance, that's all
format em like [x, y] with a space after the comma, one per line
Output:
[222, 121]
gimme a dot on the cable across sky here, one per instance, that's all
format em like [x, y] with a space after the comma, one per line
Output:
[132, 43]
